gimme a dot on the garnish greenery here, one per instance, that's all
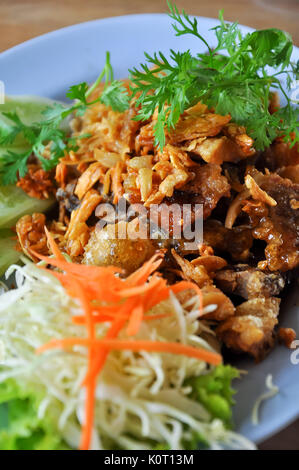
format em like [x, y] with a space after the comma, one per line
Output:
[232, 77]
[214, 391]
[13, 164]
[20, 426]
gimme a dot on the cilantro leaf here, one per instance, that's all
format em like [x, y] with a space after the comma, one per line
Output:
[116, 96]
[12, 165]
[271, 47]
[184, 24]
[231, 78]
[15, 130]
[78, 92]
[8, 133]
[55, 113]
[295, 69]
[50, 130]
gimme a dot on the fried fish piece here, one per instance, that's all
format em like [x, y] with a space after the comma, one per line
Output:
[31, 235]
[277, 224]
[251, 329]
[249, 282]
[192, 126]
[202, 275]
[106, 248]
[191, 272]
[206, 187]
[78, 231]
[286, 336]
[236, 241]
[280, 154]
[225, 309]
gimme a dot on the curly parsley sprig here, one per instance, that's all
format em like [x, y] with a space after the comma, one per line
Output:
[13, 164]
[233, 78]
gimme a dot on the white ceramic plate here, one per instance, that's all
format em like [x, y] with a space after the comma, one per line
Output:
[49, 64]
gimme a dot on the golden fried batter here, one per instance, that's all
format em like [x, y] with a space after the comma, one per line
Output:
[250, 330]
[31, 235]
[105, 249]
[37, 182]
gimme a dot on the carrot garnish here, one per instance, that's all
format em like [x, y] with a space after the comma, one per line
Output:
[135, 320]
[105, 297]
[101, 356]
[55, 250]
[142, 274]
[133, 291]
[89, 412]
[80, 319]
[185, 285]
[137, 345]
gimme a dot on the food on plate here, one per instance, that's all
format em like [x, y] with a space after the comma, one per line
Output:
[112, 337]
[9, 255]
[135, 397]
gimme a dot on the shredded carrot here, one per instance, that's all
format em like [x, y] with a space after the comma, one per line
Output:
[81, 270]
[55, 250]
[89, 416]
[80, 319]
[135, 320]
[91, 384]
[137, 345]
[105, 297]
[101, 356]
[184, 285]
[155, 297]
[142, 274]
[133, 291]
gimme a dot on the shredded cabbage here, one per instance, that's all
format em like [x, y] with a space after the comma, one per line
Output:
[143, 400]
[272, 391]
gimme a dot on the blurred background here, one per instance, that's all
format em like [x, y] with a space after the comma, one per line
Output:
[21, 20]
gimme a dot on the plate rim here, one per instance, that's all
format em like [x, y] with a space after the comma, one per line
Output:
[38, 40]
[57, 32]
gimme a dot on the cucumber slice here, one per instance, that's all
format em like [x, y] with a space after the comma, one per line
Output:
[14, 203]
[8, 254]
[29, 109]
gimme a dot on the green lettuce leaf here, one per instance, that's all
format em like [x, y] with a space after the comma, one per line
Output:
[215, 393]
[20, 426]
